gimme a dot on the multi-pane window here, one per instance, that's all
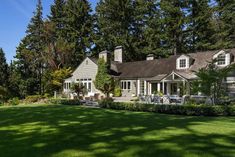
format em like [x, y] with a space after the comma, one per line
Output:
[221, 59]
[182, 63]
[67, 85]
[86, 82]
[126, 85]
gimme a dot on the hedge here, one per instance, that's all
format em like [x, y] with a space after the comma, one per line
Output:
[192, 110]
[64, 102]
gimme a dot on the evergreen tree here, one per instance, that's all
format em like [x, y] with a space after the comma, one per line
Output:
[134, 24]
[57, 16]
[78, 27]
[200, 29]
[103, 81]
[115, 21]
[3, 69]
[150, 19]
[173, 22]
[225, 16]
[28, 55]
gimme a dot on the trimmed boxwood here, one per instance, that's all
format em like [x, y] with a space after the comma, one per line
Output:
[190, 109]
[64, 102]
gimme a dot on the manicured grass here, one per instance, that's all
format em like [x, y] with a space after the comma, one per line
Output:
[70, 131]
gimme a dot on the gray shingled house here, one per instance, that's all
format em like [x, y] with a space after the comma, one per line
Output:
[170, 76]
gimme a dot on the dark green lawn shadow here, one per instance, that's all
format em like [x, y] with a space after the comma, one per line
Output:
[47, 131]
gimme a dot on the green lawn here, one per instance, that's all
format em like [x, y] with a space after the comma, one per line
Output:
[61, 131]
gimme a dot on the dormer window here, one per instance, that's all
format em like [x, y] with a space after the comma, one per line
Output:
[182, 63]
[221, 59]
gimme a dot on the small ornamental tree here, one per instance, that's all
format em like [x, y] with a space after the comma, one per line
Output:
[103, 81]
[57, 78]
[210, 81]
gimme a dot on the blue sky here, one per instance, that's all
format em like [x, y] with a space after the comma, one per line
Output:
[15, 16]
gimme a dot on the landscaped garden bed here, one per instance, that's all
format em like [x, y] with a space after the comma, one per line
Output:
[188, 109]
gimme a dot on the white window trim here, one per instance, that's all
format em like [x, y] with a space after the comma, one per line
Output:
[183, 57]
[86, 81]
[227, 58]
[185, 62]
[126, 81]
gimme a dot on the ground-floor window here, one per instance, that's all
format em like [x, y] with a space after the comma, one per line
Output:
[86, 82]
[67, 85]
[126, 85]
[141, 87]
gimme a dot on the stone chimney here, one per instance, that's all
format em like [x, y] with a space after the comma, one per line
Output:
[118, 54]
[105, 55]
[150, 57]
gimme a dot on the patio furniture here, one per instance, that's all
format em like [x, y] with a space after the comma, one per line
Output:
[156, 99]
[175, 99]
[166, 99]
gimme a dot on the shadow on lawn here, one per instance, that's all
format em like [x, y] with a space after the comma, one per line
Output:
[75, 131]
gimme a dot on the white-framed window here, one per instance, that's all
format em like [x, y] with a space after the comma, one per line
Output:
[126, 85]
[67, 85]
[86, 82]
[221, 59]
[182, 63]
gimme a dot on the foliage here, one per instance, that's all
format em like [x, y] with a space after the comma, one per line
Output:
[13, 101]
[224, 22]
[117, 91]
[78, 88]
[28, 59]
[57, 78]
[191, 109]
[33, 98]
[200, 30]
[64, 102]
[3, 94]
[103, 81]
[78, 27]
[210, 81]
[3, 69]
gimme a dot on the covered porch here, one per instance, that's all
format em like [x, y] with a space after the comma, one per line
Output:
[171, 85]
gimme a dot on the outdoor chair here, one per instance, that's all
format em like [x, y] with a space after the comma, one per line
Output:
[156, 99]
[166, 99]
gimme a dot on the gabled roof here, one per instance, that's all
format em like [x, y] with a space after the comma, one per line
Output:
[158, 68]
[95, 60]
[146, 68]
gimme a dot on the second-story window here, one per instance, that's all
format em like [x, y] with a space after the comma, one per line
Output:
[221, 59]
[182, 63]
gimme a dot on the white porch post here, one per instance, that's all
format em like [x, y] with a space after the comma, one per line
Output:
[138, 87]
[158, 87]
[163, 87]
[150, 88]
[178, 88]
[145, 88]
[168, 89]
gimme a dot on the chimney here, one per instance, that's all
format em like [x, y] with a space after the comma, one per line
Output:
[118, 54]
[150, 57]
[105, 55]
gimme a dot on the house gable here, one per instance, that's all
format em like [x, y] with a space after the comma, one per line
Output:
[183, 62]
[224, 58]
[87, 69]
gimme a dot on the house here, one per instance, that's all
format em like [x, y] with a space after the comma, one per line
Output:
[170, 76]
